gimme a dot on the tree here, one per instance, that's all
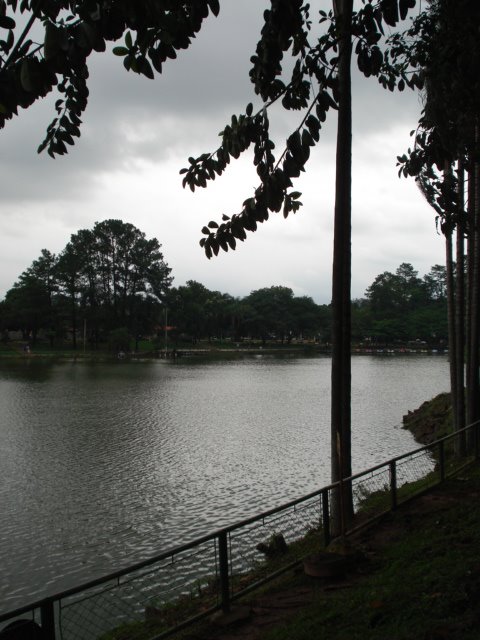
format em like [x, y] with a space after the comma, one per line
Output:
[188, 309]
[392, 298]
[341, 430]
[446, 50]
[43, 270]
[308, 318]
[119, 269]
[219, 310]
[69, 272]
[111, 275]
[435, 282]
[28, 306]
[400, 306]
[361, 320]
[271, 312]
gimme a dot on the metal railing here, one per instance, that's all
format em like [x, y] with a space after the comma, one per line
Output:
[164, 594]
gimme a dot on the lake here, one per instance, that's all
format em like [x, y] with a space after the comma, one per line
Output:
[104, 464]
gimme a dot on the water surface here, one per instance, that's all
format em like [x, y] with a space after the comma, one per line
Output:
[104, 464]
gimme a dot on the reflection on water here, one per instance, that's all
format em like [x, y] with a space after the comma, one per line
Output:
[103, 464]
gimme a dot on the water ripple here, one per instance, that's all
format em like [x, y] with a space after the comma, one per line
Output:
[105, 464]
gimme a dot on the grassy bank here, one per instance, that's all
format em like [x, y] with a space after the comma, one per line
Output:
[421, 576]
[432, 420]
[418, 579]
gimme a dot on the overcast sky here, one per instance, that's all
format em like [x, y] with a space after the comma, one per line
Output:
[136, 136]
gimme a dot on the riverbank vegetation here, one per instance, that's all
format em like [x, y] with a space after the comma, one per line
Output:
[432, 420]
[110, 289]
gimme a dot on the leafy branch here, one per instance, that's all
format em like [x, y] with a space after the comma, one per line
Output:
[154, 31]
[287, 27]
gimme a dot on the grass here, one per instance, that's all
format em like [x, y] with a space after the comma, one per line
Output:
[432, 420]
[424, 584]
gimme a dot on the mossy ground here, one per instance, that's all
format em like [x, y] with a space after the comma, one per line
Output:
[432, 420]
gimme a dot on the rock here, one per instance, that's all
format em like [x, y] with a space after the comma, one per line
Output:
[275, 546]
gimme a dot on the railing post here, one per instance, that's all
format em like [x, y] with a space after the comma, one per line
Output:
[325, 517]
[224, 574]
[441, 459]
[47, 620]
[393, 484]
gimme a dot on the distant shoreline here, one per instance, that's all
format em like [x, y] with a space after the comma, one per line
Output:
[17, 352]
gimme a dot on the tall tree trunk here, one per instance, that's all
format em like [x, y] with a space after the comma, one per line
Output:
[473, 398]
[459, 420]
[452, 341]
[341, 464]
[448, 227]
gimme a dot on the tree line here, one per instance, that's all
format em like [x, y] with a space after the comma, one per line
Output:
[110, 286]
[107, 278]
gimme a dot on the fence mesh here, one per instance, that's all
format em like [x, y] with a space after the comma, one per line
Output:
[371, 492]
[416, 472]
[160, 597]
[155, 598]
[262, 547]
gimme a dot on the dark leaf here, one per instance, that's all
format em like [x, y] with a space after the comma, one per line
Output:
[405, 5]
[389, 9]
[294, 145]
[120, 51]
[145, 68]
[214, 6]
[307, 141]
[329, 100]
[7, 23]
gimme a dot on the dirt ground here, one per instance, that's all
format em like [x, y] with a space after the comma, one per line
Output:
[276, 607]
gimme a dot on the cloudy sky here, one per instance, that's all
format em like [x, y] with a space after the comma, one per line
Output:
[137, 135]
